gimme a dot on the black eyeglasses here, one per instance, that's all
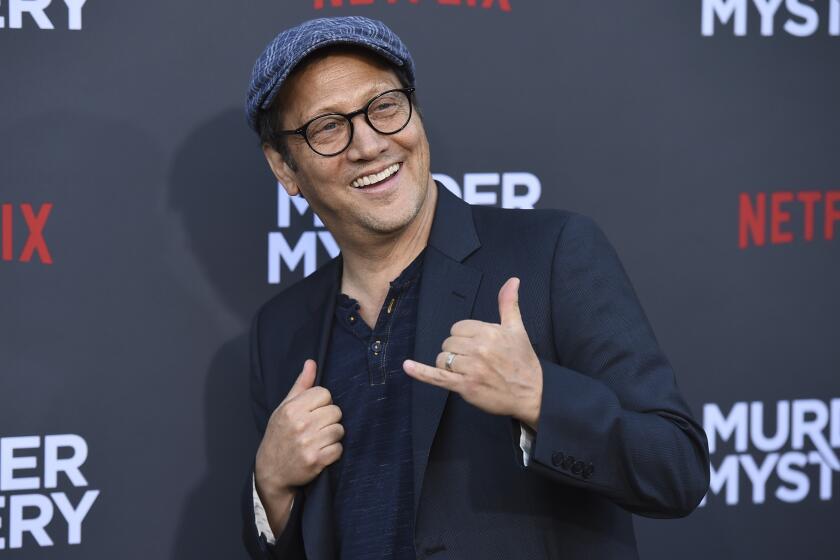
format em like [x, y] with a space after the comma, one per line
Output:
[329, 135]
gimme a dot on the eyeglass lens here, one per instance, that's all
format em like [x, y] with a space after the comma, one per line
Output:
[387, 114]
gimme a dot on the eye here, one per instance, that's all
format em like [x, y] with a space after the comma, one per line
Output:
[383, 106]
[326, 127]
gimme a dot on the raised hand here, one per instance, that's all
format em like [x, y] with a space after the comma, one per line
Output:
[492, 366]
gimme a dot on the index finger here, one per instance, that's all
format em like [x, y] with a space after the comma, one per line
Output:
[468, 327]
[315, 397]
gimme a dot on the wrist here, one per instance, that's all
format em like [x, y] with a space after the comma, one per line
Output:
[272, 508]
[530, 412]
[270, 487]
[272, 491]
[530, 419]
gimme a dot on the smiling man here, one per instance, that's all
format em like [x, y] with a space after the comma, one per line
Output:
[460, 381]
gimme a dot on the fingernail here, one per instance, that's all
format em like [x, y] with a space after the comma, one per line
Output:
[408, 365]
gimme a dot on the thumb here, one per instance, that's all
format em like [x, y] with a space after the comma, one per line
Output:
[509, 303]
[305, 380]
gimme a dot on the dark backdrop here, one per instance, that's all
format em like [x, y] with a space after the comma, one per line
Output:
[139, 225]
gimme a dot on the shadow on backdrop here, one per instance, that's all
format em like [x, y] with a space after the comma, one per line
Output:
[224, 193]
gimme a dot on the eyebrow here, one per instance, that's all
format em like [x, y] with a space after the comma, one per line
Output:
[370, 93]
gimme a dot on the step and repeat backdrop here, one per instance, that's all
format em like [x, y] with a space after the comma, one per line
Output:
[140, 229]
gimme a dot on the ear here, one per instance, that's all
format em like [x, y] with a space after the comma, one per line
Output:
[284, 174]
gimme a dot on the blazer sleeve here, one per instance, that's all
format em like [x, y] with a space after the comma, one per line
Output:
[612, 419]
[289, 544]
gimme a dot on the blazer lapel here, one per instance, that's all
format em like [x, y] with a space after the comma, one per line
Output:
[447, 294]
[318, 526]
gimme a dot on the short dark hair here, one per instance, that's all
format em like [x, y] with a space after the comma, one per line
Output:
[268, 120]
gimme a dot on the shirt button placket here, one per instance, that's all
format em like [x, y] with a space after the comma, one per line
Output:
[376, 364]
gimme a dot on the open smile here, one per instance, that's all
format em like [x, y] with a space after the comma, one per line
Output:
[375, 178]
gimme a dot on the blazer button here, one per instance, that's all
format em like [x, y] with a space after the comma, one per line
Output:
[577, 468]
[557, 458]
[568, 461]
[588, 470]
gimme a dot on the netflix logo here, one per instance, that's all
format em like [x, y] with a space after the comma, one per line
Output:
[34, 244]
[503, 5]
[783, 217]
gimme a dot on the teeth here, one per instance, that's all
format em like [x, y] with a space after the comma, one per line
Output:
[376, 177]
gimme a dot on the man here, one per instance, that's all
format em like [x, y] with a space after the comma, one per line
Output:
[461, 381]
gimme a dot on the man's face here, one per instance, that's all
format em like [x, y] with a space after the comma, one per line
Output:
[341, 82]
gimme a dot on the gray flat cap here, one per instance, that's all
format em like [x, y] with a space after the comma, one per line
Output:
[291, 46]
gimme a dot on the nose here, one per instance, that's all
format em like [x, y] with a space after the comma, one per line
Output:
[367, 143]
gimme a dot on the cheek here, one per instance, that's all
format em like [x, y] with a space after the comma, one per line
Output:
[319, 169]
[415, 141]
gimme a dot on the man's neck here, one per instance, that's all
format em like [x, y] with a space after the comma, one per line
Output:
[369, 268]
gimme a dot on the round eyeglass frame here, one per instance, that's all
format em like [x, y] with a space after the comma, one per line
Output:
[409, 91]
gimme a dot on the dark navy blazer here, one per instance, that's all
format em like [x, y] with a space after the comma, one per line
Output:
[614, 437]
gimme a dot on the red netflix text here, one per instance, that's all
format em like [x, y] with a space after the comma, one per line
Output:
[34, 223]
[504, 5]
[767, 217]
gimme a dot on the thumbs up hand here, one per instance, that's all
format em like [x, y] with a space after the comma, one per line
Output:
[302, 437]
[492, 366]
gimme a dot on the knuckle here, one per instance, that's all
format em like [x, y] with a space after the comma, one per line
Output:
[298, 425]
[440, 361]
[473, 385]
[283, 420]
[310, 458]
[284, 412]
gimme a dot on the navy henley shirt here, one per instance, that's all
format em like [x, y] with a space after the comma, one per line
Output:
[373, 480]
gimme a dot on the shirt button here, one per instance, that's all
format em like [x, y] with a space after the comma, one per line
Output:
[352, 318]
[376, 347]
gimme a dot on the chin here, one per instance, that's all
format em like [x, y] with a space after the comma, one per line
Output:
[394, 223]
[391, 226]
